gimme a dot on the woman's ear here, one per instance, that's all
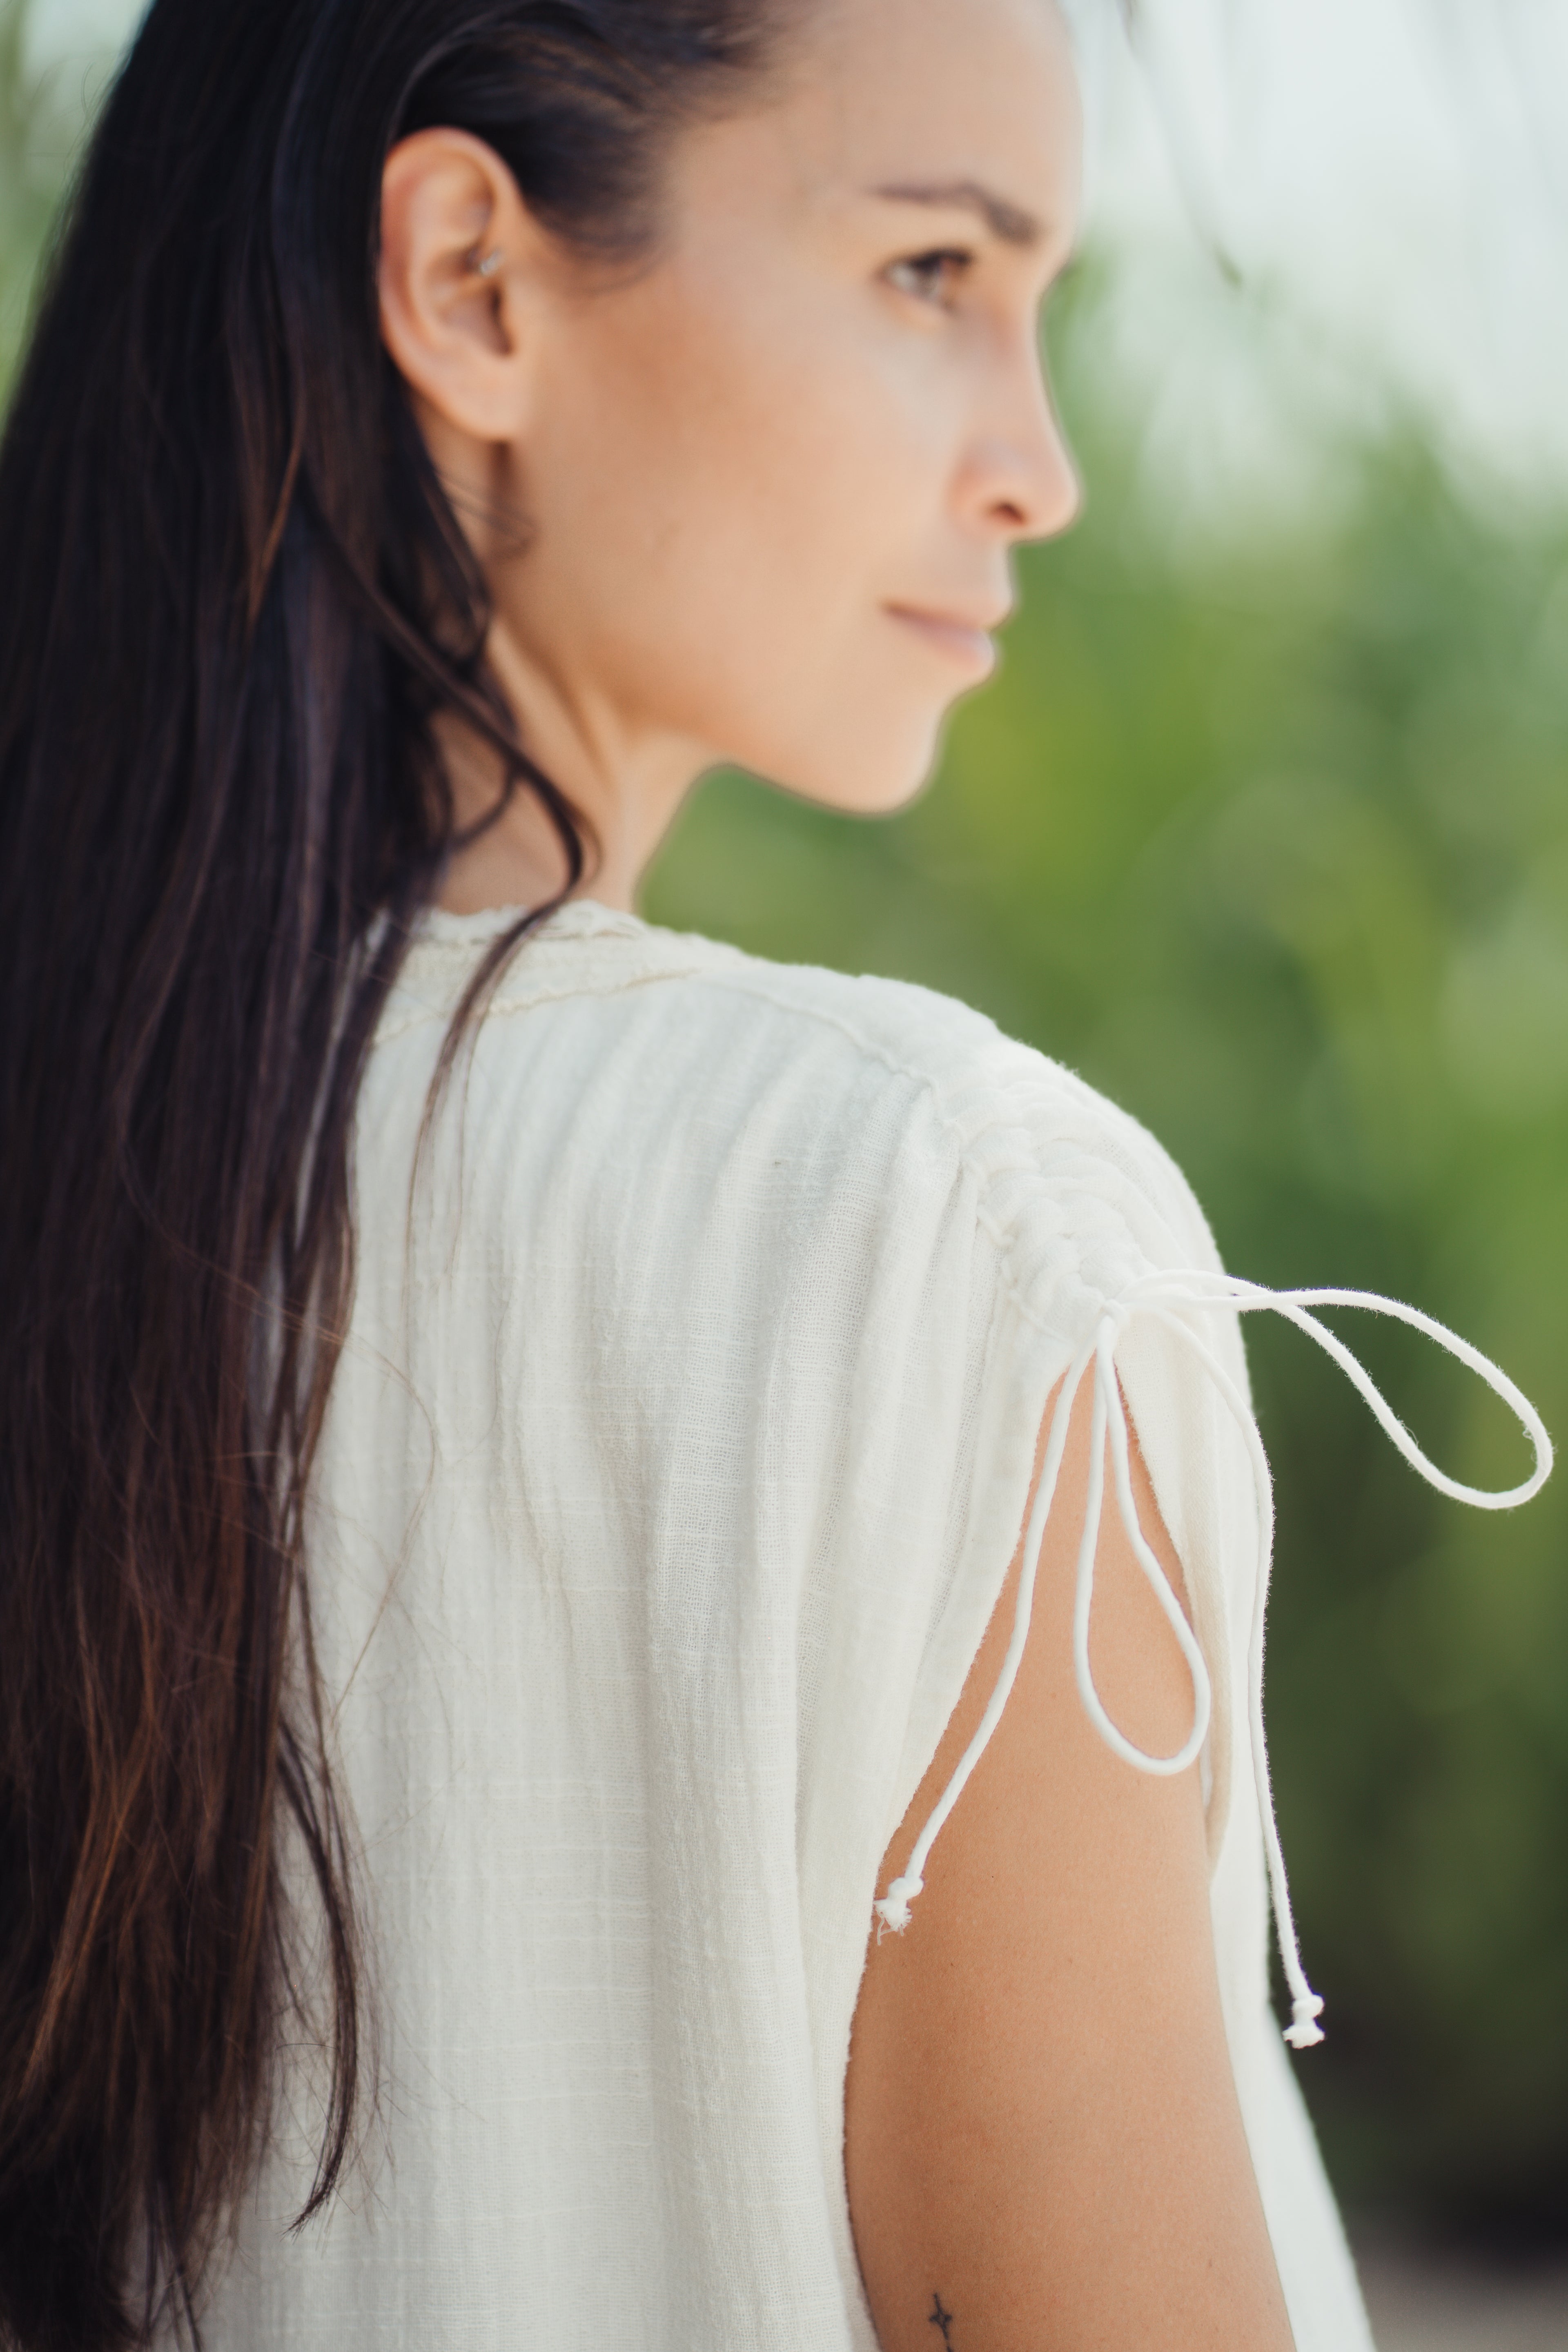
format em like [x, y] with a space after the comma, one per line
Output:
[460, 257]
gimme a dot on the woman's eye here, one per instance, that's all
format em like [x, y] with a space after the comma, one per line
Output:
[930, 276]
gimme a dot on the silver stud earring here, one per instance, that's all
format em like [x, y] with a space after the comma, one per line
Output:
[490, 264]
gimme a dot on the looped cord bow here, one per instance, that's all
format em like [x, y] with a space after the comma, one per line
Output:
[1160, 1296]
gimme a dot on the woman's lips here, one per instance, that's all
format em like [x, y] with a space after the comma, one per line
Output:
[962, 642]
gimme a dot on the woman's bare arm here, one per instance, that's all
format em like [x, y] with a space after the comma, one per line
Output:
[1045, 2148]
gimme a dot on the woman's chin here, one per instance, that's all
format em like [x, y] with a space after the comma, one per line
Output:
[871, 771]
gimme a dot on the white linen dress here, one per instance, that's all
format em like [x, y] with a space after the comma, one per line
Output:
[673, 1467]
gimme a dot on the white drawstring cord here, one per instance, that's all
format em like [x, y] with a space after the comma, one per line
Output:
[1306, 2006]
[1107, 1392]
[1157, 1295]
[893, 1910]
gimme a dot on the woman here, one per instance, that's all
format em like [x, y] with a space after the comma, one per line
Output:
[545, 1462]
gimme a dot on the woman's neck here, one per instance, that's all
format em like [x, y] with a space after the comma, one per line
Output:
[626, 786]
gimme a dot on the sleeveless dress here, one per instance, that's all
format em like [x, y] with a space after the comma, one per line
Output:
[673, 1467]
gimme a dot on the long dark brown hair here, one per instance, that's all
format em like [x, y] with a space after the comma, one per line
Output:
[235, 601]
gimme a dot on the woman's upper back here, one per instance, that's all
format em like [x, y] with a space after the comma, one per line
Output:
[672, 1471]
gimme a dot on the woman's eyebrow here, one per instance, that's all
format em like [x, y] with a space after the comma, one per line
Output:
[1008, 222]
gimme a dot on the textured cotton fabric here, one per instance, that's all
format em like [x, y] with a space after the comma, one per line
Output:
[672, 1471]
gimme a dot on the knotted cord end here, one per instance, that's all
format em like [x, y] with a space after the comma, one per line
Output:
[1304, 2033]
[893, 1910]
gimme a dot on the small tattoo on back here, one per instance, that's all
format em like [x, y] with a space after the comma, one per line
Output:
[937, 2317]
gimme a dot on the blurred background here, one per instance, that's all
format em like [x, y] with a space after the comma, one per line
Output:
[1264, 828]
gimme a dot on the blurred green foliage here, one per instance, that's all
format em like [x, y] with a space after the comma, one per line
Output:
[1273, 847]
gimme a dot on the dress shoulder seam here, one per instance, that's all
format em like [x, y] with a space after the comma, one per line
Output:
[985, 1175]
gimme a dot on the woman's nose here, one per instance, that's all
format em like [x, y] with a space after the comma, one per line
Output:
[1022, 480]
